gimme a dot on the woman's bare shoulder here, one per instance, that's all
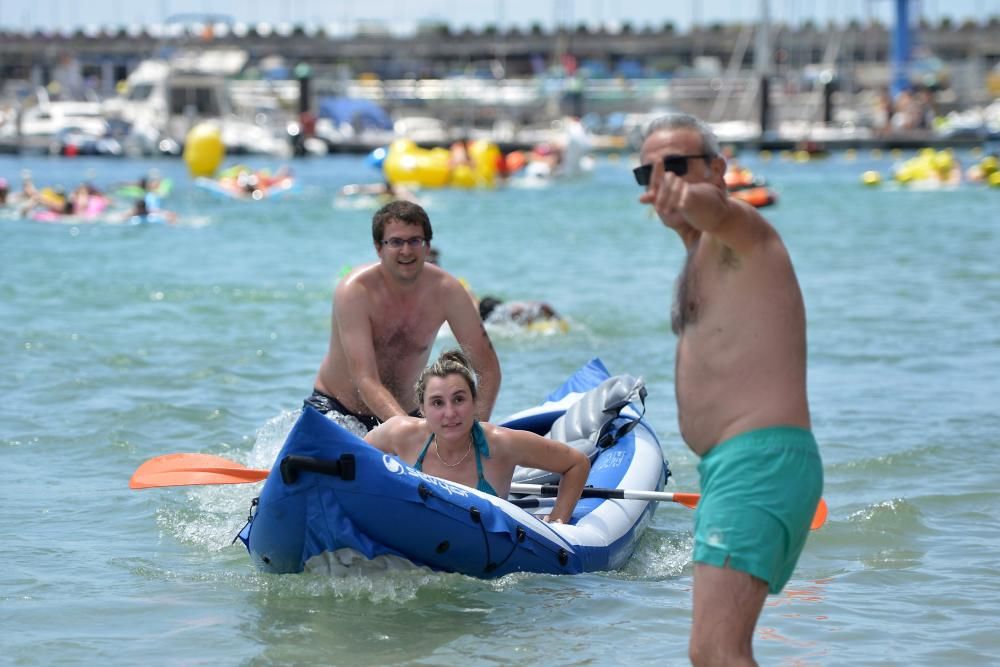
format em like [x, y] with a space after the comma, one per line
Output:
[506, 438]
[404, 425]
[398, 434]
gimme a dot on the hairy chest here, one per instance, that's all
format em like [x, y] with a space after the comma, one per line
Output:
[399, 332]
[702, 285]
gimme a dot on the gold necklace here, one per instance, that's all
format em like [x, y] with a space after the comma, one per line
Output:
[437, 452]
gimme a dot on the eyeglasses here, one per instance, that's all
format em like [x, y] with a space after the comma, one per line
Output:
[677, 164]
[397, 243]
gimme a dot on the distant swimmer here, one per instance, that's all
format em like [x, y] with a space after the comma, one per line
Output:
[150, 184]
[84, 201]
[241, 182]
[985, 170]
[142, 214]
[524, 313]
[383, 192]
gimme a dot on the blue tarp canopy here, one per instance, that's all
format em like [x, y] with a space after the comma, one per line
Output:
[360, 114]
[629, 68]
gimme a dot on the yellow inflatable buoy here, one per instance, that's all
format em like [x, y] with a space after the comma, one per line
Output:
[485, 156]
[462, 176]
[408, 165]
[989, 165]
[943, 164]
[203, 149]
[871, 178]
[994, 179]
[905, 174]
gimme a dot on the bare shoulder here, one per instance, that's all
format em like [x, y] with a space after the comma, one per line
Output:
[494, 432]
[398, 435]
[358, 282]
[404, 425]
[525, 448]
[507, 438]
[752, 219]
[451, 292]
[441, 280]
[498, 439]
[745, 231]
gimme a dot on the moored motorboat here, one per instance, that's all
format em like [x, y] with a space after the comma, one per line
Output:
[758, 197]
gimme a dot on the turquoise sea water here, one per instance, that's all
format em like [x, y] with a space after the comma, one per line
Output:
[122, 343]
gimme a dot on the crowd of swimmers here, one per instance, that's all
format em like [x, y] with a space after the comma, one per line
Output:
[242, 182]
[85, 202]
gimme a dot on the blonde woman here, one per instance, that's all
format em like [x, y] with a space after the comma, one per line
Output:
[448, 442]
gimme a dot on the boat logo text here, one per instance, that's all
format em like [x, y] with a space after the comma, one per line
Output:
[397, 467]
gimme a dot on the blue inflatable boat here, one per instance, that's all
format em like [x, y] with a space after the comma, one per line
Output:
[333, 502]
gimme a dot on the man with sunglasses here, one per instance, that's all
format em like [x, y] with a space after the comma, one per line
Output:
[740, 374]
[386, 317]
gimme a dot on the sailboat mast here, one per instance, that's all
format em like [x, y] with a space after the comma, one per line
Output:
[762, 59]
[900, 58]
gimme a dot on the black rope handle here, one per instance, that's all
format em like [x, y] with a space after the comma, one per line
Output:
[291, 465]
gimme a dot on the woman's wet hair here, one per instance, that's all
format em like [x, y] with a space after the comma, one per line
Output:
[448, 363]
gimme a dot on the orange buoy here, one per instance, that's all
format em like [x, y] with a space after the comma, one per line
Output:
[757, 197]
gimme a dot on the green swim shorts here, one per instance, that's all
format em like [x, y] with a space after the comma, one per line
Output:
[759, 491]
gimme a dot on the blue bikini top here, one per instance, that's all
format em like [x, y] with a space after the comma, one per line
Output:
[482, 449]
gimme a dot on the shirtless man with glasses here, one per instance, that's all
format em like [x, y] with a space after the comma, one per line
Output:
[386, 317]
[740, 374]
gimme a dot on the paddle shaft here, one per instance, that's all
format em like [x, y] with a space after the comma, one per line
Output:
[591, 492]
[197, 469]
[686, 499]
[187, 469]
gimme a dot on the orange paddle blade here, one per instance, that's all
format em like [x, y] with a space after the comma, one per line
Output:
[192, 469]
[686, 499]
[820, 517]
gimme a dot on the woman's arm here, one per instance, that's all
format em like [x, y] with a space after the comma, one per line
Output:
[533, 451]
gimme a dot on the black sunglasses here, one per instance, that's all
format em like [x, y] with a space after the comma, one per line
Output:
[677, 164]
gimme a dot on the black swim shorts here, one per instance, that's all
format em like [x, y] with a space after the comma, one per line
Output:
[327, 404]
